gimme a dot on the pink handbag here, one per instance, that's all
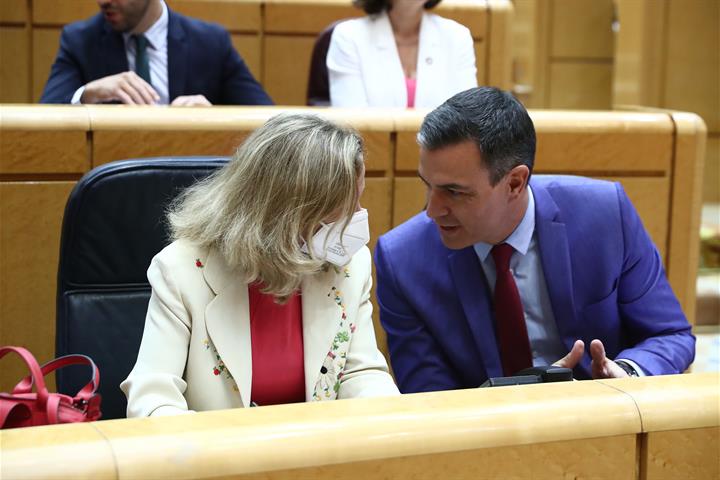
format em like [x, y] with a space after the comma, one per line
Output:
[23, 408]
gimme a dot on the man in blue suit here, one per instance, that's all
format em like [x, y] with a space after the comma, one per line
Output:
[503, 272]
[140, 52]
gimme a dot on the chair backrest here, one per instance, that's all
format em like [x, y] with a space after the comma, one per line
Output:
[318, 90]
[114, 224]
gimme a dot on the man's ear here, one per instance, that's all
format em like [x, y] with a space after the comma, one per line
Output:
[517, 179]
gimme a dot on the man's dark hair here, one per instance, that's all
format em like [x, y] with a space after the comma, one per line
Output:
[376, 6]
[493, 119]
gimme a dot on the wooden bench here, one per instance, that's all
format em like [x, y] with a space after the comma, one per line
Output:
[632, 429]
[45, 149]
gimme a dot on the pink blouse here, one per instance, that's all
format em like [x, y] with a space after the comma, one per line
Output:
[410, 84]
[276, 338]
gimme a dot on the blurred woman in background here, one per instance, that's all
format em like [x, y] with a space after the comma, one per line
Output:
[399, 56]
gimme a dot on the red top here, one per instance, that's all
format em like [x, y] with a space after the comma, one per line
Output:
[276, 336]
[411, 85]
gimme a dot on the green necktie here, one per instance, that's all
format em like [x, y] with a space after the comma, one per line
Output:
[142, 64]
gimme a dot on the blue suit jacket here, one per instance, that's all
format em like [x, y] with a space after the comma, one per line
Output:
[201, 60]
[604, 276]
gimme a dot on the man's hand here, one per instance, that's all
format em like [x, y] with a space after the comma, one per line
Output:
[601, 366]
[126, 87]
[191, 101]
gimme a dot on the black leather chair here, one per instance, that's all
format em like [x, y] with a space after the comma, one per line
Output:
[114, 224]
[318, 91]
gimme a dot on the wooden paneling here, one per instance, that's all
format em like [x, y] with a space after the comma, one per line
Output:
[578, 85]
[693, 64]
[477, 19]
[308, 17]
[14, 65]
[409, 198]
[46, 42]
[683, 454]
[286, 64]
[378, 151]
[54, 12]
[25, 151]
[499, 60]
[611, 458]
[31, 215]
[582, 29]
[570, 43]
[13, 12]
[248, 46]
[109, 146]
[235, 16]
[711, 184]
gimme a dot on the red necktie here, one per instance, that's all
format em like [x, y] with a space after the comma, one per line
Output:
[509, 317]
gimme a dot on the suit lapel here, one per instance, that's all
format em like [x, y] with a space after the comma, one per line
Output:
[473, 292]
[321, 319]
[227, 319]
[177, 57]
[555, 259]
[112, 51]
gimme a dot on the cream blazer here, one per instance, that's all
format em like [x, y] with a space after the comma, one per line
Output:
[364, 66]
[195, 351]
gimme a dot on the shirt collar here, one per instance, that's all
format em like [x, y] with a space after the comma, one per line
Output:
[520, 237]
[156, 35]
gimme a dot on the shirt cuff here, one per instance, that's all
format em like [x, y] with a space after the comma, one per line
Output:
[77, 95]
[637, 368]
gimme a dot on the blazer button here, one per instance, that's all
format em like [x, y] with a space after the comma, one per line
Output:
[429, 60]
[323, 370]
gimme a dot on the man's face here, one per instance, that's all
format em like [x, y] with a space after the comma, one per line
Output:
[460, 199]
[123, 15]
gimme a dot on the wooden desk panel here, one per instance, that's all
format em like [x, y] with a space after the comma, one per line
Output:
[31, 215]
[46, 42]
[308, 17]
[25, 152]
[248, 46]
[610, 458]
[15, 65]
[109, 146]
[13, 12]
[692, 453]
[236, 16]
[286, 66]
[58, 13]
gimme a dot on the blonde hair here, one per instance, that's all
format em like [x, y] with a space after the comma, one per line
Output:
[287, 177]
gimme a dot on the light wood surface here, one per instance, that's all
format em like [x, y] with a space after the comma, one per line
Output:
[581, 429]
[14, 64]
[663, 59]
[563, 53]
[31, 214]
[655, 155]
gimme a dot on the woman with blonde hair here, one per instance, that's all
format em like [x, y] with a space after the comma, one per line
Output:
[264, 295]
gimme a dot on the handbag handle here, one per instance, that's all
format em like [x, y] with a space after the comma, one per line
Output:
[85, 394]
[35, 372]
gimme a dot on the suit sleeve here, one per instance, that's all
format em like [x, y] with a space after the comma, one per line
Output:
[155, 385]
[239, 87]
[347, 88]
[65, 75]
[417, 360]
[366, 372]
[651, 315]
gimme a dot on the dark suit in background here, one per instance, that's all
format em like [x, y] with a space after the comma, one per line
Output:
[201, 61]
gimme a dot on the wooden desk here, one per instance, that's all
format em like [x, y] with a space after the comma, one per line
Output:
[45, 149]
[638, 428]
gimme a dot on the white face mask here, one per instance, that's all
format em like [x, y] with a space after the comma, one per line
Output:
[326, 242]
